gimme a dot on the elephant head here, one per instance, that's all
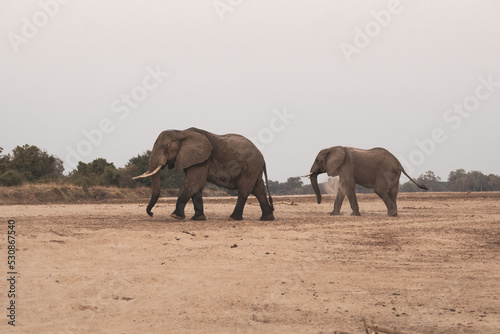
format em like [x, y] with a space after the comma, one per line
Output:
[327, 161]
[177, 150]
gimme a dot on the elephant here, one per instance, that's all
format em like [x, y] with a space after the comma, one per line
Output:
[376, 168]
[230, 161]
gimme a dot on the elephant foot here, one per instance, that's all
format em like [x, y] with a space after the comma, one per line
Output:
[199, 217]
[395, 214]
[334, 213]
[236, 217]
[176, 216]
[267, 217]
[355, 213]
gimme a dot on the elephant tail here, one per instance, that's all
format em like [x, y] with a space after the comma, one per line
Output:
[267, 186]
[421, 186]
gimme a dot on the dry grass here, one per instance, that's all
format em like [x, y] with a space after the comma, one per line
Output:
[65, 193]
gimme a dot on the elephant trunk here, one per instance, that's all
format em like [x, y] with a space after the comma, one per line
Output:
[155, 188]
[314, 183]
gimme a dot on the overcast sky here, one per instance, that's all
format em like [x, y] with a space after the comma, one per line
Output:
[90, 79]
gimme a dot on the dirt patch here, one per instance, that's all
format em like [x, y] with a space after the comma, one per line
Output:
[111, 268]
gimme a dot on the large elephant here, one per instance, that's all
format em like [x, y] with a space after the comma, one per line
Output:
[230, 161]
[376, 168]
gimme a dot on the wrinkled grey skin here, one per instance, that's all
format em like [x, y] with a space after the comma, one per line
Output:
[230, 161]
[376, 168]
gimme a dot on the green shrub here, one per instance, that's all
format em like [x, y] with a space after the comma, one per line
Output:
[11, 178]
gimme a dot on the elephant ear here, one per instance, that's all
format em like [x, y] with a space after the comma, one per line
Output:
[194, 149]
[334, 160]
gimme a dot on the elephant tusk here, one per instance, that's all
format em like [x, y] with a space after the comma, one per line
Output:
[308, 175]
[146, 174]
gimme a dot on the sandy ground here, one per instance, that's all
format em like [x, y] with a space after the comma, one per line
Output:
[109, 268]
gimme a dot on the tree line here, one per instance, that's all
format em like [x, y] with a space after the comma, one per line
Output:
[30, 164]
[458, 180]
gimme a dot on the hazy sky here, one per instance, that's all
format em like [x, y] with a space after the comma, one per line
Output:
[89, 79]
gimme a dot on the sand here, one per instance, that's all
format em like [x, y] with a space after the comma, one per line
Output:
[110, 268]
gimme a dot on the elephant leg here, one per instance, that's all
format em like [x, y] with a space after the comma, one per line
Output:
[338, 201]
[198, 206]
[393, 195]
[351, 195]
[196, 177]
[240, 204]
[179, 207]
[259, 191]
[392, 210]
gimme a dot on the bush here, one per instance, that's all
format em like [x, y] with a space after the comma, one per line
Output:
[125, 176]
[11, 178]
[34, 164]
[96, 173]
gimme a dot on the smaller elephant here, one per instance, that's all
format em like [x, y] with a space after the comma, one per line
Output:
[376, 168]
